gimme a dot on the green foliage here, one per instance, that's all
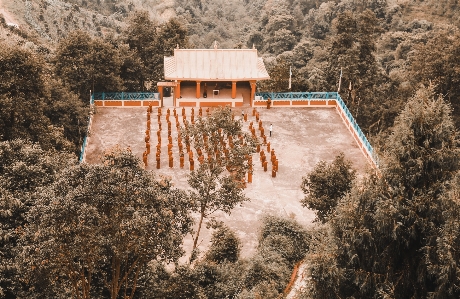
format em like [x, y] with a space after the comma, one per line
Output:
[148, 43]
[443, 260]
[326, 185]
[203, 280]
[223, 280]
[267, 275]
[228, 22]
[279, 30]
[85, 63]
[181, 284]
[352, 50]
[140, 35]
[171, 35]
[22, 93]
[324, 273]
[24, 169]
[36, 107]
[65, 111]
[423, 154]
[225, 246]
[388, 238]
[443, 52]
[132, 69]
[282, 243]
[102, 224]
[284, 236]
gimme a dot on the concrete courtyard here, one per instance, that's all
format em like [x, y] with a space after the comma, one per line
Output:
[301, 138]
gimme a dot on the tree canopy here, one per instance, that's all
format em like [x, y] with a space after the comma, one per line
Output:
[387, 238]
[34, 106]
[24, 169]
[93, 232]
[87, 64]
[326, 185]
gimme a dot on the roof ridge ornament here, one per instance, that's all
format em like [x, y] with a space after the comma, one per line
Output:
[215, 44]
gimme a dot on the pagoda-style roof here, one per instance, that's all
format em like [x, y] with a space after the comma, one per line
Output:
[215, 65]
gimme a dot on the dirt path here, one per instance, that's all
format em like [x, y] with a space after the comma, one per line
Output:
[9, 18]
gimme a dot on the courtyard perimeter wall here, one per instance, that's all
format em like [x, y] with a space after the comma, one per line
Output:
[126, 99]
[278, 99]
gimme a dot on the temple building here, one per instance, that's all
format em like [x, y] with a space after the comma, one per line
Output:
[213, 77]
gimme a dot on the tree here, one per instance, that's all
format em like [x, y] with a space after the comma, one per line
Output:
[444, 262]
[389, 237]
[140, 36]
[132, 69]
[318, 20]
[66, 111]
[149, 42]
[225, 245]
[282, 243]
[171, 35]
[218, 182]
[24, 169]
[102, 224]
[435, 62]
[352, 52]
[423, 154]
[36, 107]
[86, 64]
[326, 185]
[22, 94]
[280, 29]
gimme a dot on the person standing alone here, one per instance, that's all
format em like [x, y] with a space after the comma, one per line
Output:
[271, 129]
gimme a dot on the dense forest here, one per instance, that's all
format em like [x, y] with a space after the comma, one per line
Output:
[81, 231]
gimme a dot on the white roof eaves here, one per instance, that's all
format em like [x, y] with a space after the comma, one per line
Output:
[215, 64]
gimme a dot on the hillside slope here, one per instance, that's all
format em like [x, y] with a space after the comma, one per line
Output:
[51, 20]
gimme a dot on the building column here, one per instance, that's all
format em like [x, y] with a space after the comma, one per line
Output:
[160, 90]
[233, 89]
[253, 91]
[198, 84]
[176, 92]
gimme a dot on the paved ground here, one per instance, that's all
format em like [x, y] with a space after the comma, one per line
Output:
[301, 138]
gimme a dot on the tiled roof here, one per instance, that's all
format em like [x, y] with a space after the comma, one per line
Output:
[215, 64]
